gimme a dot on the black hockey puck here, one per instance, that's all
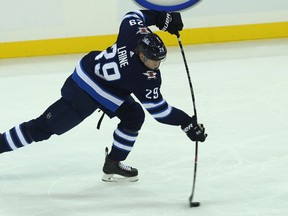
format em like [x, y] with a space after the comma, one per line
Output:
[194, 204]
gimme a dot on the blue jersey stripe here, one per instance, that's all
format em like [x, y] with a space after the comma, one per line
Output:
[158, 110]
[94, 90]
[163, 113]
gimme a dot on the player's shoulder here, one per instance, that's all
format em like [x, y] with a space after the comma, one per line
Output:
[147, 78]
[90, 56]
[94, 52]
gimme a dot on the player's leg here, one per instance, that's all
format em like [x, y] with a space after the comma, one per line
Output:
[71, 109]
[132, 117]
[57, 119]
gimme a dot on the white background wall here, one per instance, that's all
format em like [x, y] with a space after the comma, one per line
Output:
[42, 19]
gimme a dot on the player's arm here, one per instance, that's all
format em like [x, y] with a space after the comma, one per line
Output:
[164, 112]
[165, 21]
[167, 114]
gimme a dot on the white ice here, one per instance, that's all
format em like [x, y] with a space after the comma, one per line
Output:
[241, 97]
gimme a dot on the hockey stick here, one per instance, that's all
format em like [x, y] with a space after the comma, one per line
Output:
[191, 203]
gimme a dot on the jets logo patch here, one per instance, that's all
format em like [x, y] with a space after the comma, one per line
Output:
[150, 75]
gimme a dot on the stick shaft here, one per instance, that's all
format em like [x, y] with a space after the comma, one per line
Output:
[188, 76]
[195, 114]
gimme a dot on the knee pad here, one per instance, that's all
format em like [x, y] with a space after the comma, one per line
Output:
[57, 119]
[132, 116]
[61, 117]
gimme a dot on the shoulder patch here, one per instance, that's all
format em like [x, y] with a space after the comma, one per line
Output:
[150, 75]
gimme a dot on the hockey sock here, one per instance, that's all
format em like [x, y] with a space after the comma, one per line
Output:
[15, 138]
[123, 142]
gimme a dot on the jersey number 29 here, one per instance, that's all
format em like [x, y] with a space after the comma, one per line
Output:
[152, 93]
[110, 70]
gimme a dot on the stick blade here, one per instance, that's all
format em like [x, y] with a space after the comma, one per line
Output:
[194, 204]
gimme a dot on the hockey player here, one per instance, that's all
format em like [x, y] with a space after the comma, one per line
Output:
[105, 80]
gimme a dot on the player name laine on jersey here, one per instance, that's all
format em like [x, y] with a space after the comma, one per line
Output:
[122, 55]
[122, 51]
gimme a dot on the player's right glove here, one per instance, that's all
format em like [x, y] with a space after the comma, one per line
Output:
[196, 132]
[170, 21]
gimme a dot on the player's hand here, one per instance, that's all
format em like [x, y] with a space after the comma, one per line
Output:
[170, 21]
[196, 132]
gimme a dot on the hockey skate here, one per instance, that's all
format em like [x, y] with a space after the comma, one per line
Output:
[115, 171]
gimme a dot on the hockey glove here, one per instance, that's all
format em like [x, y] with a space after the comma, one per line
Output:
[196, 132]
[171, 22]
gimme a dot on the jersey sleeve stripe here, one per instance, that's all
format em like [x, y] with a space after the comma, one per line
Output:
[135, 14]
[149, 106]
[94, 90]
[162, 114]
[158, 110]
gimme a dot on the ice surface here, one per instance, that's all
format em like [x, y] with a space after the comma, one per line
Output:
[241, 97]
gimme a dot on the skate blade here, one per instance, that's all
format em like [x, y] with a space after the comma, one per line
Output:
[118, 178]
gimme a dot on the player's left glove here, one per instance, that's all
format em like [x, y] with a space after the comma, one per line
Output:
[196, 132]
[170, 21]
